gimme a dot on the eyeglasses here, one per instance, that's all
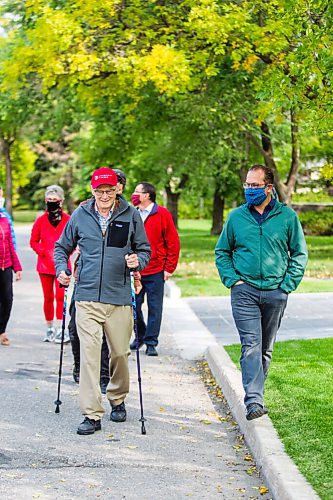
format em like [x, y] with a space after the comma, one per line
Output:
[254, 185]
[140, 192]
[109, 192]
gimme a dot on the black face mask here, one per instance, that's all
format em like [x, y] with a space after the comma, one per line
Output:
[52, 206]
[54, 212]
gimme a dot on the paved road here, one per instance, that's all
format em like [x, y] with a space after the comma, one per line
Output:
[191, 448]
[308, 316]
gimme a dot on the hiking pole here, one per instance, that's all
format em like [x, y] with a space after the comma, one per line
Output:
[57, 401]
[142, 419]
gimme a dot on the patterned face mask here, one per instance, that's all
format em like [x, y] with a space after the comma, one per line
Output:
[255, 196]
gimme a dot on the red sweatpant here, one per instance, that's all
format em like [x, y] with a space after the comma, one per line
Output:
[51, 289]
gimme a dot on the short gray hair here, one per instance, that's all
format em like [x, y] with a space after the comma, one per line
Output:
[55, 190]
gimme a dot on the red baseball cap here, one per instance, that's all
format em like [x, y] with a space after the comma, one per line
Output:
[103, 175]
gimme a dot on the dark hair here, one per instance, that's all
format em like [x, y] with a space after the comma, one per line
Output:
[121, 176]
[269, 174]
[150, 189]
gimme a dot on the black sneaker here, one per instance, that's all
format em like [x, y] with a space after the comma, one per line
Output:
[151, 351]
[255, 410]
[104, 384]
[133, 344]
[76, 373]
[89, 426]
[118, 413]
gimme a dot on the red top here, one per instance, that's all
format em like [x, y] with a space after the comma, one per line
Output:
[42, 241]
[8, 255]
[164, 241]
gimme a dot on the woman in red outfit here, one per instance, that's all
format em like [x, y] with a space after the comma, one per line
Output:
[46, 231]
[9, 262]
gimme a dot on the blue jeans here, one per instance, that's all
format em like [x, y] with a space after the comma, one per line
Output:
[257, 315]
[153, 286]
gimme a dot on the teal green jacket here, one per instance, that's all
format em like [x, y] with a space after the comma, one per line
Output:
[269, 256]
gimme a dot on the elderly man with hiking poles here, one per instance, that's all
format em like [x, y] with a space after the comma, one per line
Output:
[112, 241]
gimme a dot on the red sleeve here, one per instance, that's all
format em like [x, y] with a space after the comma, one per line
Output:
[172, 243]
[35, 237]
[15, 260]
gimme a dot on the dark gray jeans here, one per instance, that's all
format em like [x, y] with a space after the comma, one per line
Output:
[257, 315]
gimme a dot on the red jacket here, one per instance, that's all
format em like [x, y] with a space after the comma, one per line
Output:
[164, 241]
[42, 241]
[8, 256]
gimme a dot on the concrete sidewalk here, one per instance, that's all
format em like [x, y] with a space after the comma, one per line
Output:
[193, 340]
[191, 449]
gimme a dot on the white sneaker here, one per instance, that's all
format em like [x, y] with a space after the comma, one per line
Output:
[50, 334]
[57, 338]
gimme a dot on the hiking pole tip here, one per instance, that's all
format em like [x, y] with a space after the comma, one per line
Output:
[57, 403]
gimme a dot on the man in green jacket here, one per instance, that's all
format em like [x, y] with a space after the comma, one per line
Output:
[261, 255]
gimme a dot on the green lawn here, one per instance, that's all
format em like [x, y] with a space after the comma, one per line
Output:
[299, 395]
[196, 273]
[24, 216]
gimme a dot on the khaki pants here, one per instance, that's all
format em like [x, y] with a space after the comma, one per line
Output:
[117, 322]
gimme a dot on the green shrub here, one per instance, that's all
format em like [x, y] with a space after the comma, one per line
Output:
[317, 223]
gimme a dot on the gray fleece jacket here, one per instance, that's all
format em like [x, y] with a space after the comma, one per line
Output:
[103, 275]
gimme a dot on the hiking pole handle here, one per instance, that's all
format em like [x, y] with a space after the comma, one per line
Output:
[68, 273]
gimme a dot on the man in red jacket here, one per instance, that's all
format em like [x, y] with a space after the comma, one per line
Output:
[164, 241]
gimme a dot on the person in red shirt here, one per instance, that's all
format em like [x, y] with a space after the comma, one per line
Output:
[46, 231]
[9, 262]
[165, 246]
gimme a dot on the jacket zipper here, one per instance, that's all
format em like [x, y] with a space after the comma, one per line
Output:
[102, 262]
[4, 248]
[260, 255]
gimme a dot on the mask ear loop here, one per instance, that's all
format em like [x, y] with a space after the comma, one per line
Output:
[274, 194]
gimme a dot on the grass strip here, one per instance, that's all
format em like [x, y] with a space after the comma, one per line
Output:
[299, 395]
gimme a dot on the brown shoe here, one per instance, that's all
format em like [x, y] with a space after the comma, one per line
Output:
[4, 340]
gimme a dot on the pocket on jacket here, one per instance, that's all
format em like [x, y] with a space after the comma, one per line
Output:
[118, 234]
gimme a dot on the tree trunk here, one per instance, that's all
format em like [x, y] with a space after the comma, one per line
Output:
[218, 207]
[266, 142]
[173, 198]
[295, 155]
[5, 149]
[284, 190]
[267, 151]
[172, 204]
[69, 179]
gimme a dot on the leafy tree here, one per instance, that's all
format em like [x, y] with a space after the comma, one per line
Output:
[165, 55]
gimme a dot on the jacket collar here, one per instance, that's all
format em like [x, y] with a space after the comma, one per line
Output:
[154, 209]
[276, 209]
